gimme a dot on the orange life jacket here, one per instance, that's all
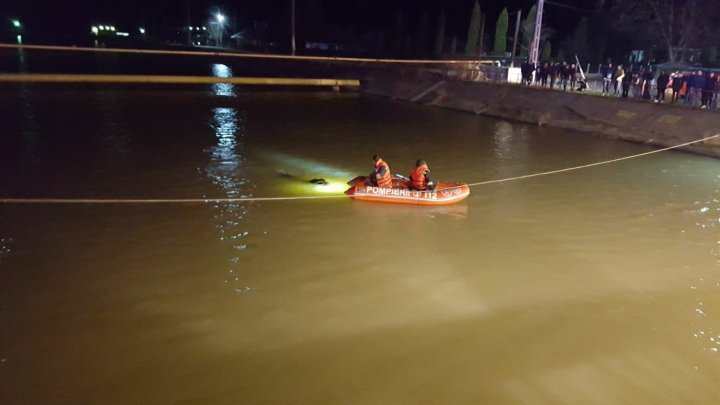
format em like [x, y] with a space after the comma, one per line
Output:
[419, 182]
[386, 180]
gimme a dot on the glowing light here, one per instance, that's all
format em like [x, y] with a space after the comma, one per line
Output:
[220, 70]
[102, 28]
[222, 89]
[190, 28]
[94, 30]
[310, 168]
[122, 34]
[19, 39]
[220, 18]
[142, 30]
[333, 187]
[197, 28]
[16, 23]
[225, 124]
[112, 28]
[204, 28]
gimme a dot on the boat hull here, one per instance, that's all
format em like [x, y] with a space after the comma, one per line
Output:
[401, 193]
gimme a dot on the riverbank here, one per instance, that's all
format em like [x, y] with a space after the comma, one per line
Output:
[630, 120]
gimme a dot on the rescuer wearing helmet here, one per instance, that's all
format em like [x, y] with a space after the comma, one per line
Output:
[420, 176]
[380, 175]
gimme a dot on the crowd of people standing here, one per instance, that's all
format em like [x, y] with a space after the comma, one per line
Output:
[695, 88]
[560, 75]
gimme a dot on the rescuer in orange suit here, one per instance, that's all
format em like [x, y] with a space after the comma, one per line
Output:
[420, 176]
[380, 176]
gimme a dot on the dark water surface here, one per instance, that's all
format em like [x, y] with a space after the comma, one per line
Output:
[595, 286]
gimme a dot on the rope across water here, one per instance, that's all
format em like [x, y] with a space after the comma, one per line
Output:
[318, 197]
[594, 164]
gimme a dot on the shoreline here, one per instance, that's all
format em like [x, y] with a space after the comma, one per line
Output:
[660, 125]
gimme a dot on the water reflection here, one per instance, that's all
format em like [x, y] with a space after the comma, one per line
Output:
[113, 127]
[706, 288]
[510, 141]
[225, 171]
[5, 247]
[222, 89]
[30, 123]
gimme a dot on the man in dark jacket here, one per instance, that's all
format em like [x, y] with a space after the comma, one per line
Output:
[707, 90]
[662, 82]
[647, 80]
[677, 84]
[690, 88]
[553, 72]
[626, 82]
[697, 87]
[544, 73]
[526, 69]
[607, 73]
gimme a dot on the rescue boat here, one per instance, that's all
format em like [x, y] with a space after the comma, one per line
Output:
[402, 193]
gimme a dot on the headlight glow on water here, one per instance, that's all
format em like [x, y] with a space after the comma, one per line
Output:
[333, 187]
[296, 187]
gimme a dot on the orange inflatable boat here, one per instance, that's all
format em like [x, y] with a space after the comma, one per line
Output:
[401, 192]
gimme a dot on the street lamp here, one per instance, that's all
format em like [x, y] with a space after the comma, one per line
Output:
[217, 28]
[142, 30]
[17, 27]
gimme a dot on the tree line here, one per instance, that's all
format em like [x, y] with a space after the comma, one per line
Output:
[666, 30]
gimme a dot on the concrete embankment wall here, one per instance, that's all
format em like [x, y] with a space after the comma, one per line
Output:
[631, 120]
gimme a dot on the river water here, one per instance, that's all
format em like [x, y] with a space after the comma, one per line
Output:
[600, 285]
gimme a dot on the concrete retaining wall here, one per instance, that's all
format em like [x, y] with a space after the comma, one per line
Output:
[631, 120]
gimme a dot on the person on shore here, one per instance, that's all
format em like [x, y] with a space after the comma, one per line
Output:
[573, 76]
[526, 70]
[647, 80]
[565, 75]
[698, 85]
[707, 90]
[544, 72]
[677, 84]
[637, 83]
[617, 79]
[582, 86]
[420, 177]
[553, 74]
[626, 83]
[607, 73]
[537, 70]
[716, 92]
[380, 176]
[662, 83]
[690, 90]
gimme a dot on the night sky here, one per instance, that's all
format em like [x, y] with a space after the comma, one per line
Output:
[71, 17]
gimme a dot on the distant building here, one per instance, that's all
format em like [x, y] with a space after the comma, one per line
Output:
[691, 54]
[637, 56]
[253, 37]
[323, 46]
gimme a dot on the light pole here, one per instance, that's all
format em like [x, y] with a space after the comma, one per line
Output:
[17, 27]
[292, 26]
[219, 28]
[534, 49]
[515, 38]
[189, 35]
